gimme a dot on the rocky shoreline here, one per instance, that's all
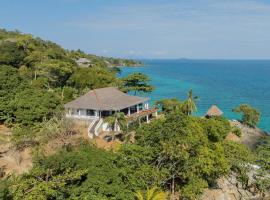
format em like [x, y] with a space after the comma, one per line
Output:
[229, 188]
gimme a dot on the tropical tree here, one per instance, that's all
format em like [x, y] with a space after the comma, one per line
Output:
[138, 83]
[10, 54]
[169, 105]
[45, 185]
[151, 194]
[25, 42]
[250, 116]
[117, 120]
[189, 105]
[91, 78]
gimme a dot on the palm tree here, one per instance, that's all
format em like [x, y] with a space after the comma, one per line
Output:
[116, 120]
[189, 105]
[151, 194]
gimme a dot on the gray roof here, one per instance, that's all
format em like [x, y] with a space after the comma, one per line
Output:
[108, 98]
[83, 60]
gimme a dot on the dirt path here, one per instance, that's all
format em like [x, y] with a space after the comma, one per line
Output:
[250, 136]
[12, 160]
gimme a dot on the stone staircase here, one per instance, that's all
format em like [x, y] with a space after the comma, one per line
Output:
[95, 128]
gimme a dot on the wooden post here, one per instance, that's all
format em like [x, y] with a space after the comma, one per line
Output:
[146, 105]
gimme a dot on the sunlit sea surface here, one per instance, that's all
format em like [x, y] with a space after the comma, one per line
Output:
[226, 83]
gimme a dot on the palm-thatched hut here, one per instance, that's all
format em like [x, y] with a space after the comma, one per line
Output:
[214, 111]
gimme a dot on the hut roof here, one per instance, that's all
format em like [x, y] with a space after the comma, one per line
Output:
[108, 98]
[214, 111]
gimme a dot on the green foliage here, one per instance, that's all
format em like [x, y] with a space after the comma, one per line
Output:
[169, 105]
[91, 78]
[103, 61]
[237, 131]
[4, 190]
[44, 184]
[217, 128]
[262, 152]
[194, 188]
[104, 179]
[250, 116]
[41, 133]
[10, 54]
[182, 151]
[176, 150]
[117, 120]
[263, 184]
[47, 76]
[10, 84]
[189, 105]
[238, 156]
[137, 82]
[151, 194]
[35, 105]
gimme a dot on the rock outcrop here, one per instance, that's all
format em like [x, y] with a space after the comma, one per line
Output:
[230, 188]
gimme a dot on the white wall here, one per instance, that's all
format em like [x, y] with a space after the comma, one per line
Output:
[81, 114]
[105, 127]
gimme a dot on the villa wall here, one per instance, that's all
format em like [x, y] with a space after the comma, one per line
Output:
[81, 114]
[105, 127]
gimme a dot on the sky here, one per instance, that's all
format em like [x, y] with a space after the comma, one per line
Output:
[199, 29]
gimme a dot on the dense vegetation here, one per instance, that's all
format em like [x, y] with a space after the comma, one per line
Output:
[176, 153]
[37, 77]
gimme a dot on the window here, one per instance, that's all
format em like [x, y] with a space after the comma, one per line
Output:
[90, 112]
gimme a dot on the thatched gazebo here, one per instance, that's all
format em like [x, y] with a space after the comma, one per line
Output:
[214, 111]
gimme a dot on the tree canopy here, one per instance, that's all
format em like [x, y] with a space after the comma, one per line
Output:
[137, 83]
[250, 116]
[37, 77]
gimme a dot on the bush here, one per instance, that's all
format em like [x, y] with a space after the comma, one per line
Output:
[217, 128]
[237, 131]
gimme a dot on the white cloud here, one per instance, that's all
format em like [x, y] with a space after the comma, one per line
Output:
[187, 28]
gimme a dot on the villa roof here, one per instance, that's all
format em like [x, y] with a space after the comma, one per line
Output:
[83, 60]
[214, 111]
[108, 98]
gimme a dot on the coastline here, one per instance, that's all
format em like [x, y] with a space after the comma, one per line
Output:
[225, 84]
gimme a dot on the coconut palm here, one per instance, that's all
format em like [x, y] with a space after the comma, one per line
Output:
[115, 120]
[189, 105]
[151, 194]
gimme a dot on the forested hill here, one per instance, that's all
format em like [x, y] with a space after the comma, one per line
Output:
[18, 43]
[176, 155]
[37, 77]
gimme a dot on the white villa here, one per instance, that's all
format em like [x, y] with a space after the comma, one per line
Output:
[97, 104]
[84, 62]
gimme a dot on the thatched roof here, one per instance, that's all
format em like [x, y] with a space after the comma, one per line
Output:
[108, 98]
[214, 111]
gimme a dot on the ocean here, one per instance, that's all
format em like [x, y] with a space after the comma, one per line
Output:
[225, 83]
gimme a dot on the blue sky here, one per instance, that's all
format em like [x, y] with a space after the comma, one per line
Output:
[218, 29]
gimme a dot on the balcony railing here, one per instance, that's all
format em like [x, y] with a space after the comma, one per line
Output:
[141, 113]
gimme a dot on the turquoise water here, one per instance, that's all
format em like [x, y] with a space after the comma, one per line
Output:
[224, 83]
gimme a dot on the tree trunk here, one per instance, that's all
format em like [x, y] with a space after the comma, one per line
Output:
[173, 192]
[62, 94]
